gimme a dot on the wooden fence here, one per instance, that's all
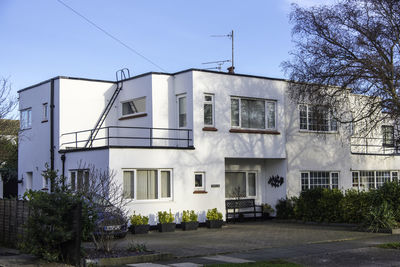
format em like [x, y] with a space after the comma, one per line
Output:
[13, 215]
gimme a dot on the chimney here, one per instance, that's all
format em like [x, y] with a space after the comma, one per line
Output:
[231, 70]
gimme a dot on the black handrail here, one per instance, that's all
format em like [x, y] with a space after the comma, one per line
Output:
[186, 138]
[373, 146]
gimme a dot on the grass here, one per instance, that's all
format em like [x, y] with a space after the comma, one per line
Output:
[273, 263]
[394, 245]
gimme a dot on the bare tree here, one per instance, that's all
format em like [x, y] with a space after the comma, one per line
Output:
[344, 50]
[7, 101]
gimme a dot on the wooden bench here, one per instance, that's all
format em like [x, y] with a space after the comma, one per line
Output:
[236, 207]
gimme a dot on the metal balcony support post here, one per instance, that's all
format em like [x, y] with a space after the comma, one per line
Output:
[76, 140]
[151, 136]
[188, 138]
[366, 145]
[108, 136]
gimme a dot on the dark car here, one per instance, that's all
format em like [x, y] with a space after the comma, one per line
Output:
[110, 223]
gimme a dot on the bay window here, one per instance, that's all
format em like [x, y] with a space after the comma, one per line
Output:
[372, 179]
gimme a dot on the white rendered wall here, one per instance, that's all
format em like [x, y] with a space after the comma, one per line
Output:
[34, 143]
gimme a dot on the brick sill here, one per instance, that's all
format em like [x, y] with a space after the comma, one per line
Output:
[210, 129]
[254, 131]
[133, 116]
[200, 192]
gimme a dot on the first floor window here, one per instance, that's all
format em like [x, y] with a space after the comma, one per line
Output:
[372, 179]
[147, 184]
[253, 113]
[79, 180]
[134, 106]
[316, 118]
[240, 184]
[209, 110]
[319, 179]
[182, 111]
[388, 135]
[26, 119]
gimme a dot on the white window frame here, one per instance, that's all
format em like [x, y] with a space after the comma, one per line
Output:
[247, 183]
[266, 101]
[212, 110]
[178, 97]
[84, 185]
[159, 195]
[26, 118]
[45, 112]
[360, 187]
[309, 178]
[46, 183]
[135, 113]
[330, 118]
[203, 180]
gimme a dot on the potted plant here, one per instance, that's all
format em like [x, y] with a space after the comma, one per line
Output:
[267, 210]
[189, 220]
[139, 224]
[214, 219]
[166, 221]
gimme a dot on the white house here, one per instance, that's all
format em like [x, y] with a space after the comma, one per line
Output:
[185, 140]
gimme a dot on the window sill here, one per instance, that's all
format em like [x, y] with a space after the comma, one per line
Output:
[133, 116]
[200, 192]
[319, 132]
[43, 121]
[210, 129]
[254, 131]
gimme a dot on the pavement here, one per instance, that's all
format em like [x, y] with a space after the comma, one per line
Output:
[309, 245]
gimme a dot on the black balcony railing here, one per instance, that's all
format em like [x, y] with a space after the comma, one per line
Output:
[374, 146]
[121, 136]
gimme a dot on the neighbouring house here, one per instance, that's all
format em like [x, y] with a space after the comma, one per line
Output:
[187, 140]
[8, 158]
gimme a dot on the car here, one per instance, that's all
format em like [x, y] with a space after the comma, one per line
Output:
[110, 224]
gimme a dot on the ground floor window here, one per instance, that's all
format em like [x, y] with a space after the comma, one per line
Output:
[147, 184]
[79, 180]
[319, 179]
[199, 181]
[240, 184]
[372, 179]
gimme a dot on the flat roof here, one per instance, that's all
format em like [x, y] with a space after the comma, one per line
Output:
[153, 73]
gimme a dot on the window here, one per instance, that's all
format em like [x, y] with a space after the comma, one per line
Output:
[182, 112]
[319, 179]
[388, 135]
[316, 118]
[253, 113]
[240, 184]
[46, 183]
[26, 119]
[147, 184]
[79, 180]
[134, 106]
[29, 180]
[199, 181]
[209, 110]
[45, 112]
[372, 179]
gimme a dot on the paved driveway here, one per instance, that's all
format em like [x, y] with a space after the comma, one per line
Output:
[243, 237]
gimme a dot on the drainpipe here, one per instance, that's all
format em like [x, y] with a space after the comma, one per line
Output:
[52, 124]
[63, 169]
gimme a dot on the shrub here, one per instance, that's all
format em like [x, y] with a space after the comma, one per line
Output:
[285, 208]
[189, 216]
[165, 217]
[214, 215]
[329, 206]
[389, 193]
[267, 209]
[139, 220]
[355, 205]
[380, 217]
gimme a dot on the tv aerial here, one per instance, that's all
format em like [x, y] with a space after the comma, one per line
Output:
[231, 69]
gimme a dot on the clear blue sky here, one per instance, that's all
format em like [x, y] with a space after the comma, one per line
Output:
[42, 38]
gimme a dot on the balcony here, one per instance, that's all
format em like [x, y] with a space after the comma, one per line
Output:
[374, 146]
[127, 137]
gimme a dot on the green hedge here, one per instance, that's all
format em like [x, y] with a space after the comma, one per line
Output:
[376, 208]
